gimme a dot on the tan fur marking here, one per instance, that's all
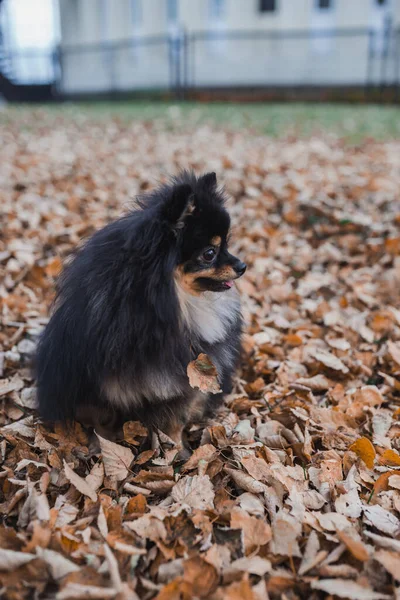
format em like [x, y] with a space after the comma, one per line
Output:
[188, 280]
[216, 241]
[225, 274]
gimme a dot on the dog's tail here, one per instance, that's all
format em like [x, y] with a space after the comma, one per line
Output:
[60, 369]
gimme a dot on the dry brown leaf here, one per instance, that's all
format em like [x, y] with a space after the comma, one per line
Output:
[10, 559]
[382, 519]
[194, 492]
[58, 564]
[312, 556]
[365, 450]
[148, 527]
[79, 591]
[246, 482]
[382, 483]
[79, 483]
[347, 589]
[390, 458]
[394, 481]
[116, 459]
[353, 543]
[255, 531]
[96, 476]
[318, 383]
[203, 375]
[389, 560]
[201, 577]
[239, 591]
[134, 430]
[252, 564]
[285, 533]
[206, 452]
[394, 351]
[330, 360]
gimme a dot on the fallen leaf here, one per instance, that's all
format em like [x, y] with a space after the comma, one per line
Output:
[116, 459]
[203, 375]
[96, 476]
[201, 577]
[195, 492]
[390, 458]
[354, 543]
[365, 450]
[330, 360]
[239, 591]
[254, 565]
[58, 564]
[394, 351]
[347, 589]
[206, 452]
[382, 519]
[382, 483]
[246, 482]
[10, 559]
[389, 560]
[79, 483]
[255, 531]
[79, 591]
[285, 533]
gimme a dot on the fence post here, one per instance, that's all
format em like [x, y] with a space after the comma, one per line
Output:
[171, 62]
[174, 43]
[108, 58]
[57, 57]
[185, 47]
[397, 66]
[369, 82]
[385, 52]
[178, 62]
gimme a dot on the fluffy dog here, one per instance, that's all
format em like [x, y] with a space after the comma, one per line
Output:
[140, 300]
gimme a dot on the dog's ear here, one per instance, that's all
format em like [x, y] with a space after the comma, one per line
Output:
[209, 180]
[179, 205]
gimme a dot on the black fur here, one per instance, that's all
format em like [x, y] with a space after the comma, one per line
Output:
[117, 314]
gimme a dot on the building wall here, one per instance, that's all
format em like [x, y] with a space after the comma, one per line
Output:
[218, 60]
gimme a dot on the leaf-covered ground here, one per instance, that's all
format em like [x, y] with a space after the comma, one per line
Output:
[293, 491]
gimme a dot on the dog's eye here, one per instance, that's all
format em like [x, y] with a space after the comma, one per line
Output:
[209, 255]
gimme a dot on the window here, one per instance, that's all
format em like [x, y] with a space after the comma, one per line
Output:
[172, 11]
[136, 13]
[105, 15]
[267, 5]
[217, 9]
[322, 4]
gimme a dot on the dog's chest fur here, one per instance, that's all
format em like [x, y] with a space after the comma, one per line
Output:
[207, 319]
[209, 316]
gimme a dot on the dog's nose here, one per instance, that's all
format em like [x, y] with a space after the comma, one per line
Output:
[240, 268]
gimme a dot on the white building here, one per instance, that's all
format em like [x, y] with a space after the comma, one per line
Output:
[143, 44]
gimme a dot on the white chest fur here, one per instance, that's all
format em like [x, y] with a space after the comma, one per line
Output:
[209, 315]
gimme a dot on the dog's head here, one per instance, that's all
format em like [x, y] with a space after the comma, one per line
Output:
[195, 209]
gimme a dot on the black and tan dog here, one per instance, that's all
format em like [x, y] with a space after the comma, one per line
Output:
[140, 300]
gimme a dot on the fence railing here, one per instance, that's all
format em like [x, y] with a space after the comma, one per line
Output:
[185, 61]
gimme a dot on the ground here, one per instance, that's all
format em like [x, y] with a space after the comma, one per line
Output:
[293, 491]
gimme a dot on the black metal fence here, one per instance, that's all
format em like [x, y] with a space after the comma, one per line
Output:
[182, 63]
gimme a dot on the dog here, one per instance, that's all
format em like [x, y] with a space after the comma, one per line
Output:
[141, 299]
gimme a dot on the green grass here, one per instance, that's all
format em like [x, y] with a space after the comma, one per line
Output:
[354, 122]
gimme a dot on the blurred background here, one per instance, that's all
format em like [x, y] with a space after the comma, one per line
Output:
[200, 49]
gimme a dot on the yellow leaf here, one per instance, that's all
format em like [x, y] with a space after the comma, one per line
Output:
[390, 458]
[382, 483]
[365, 450]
